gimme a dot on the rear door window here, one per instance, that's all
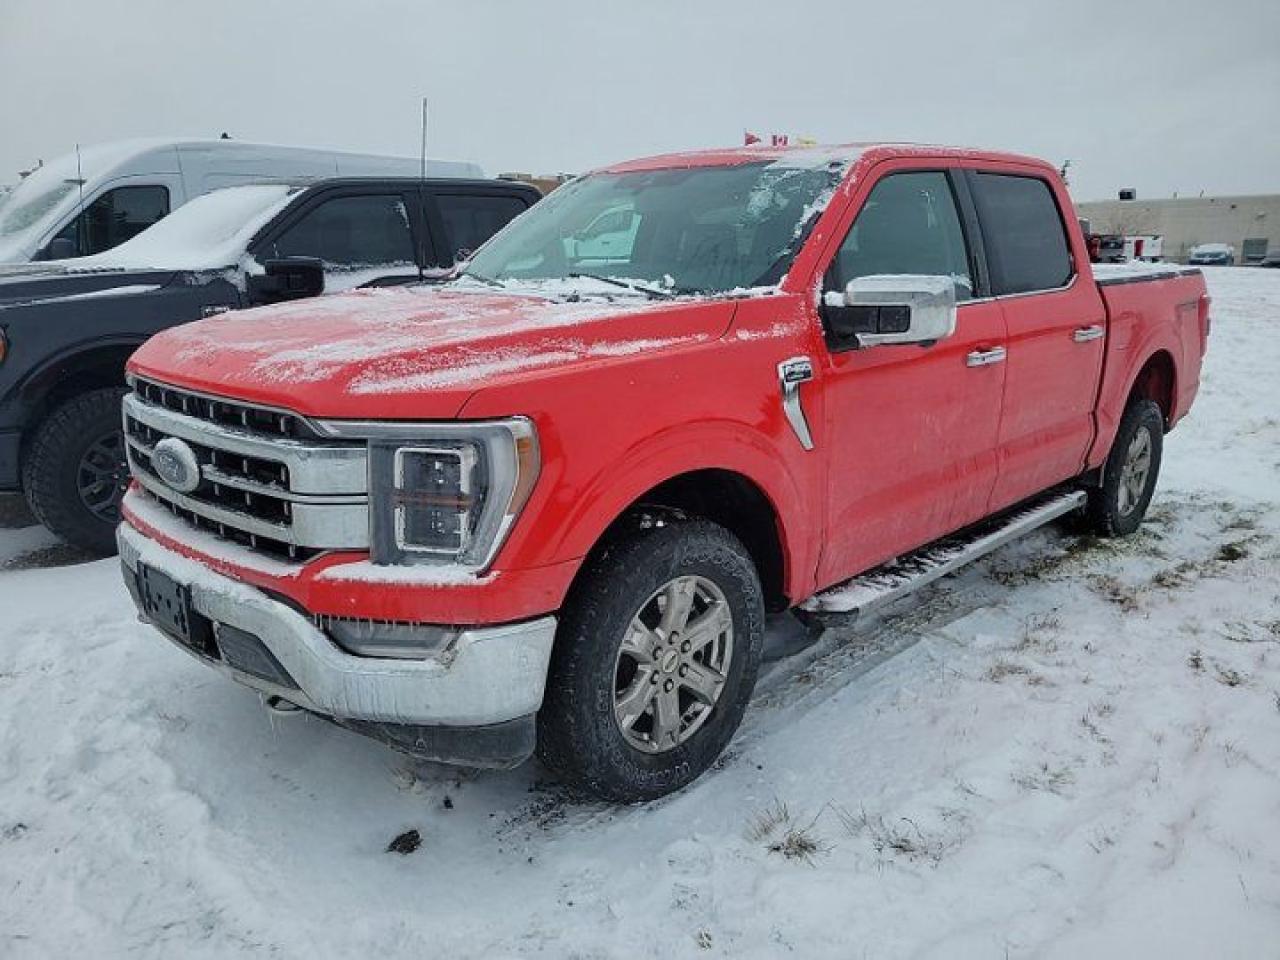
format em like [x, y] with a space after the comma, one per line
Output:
[116, 216]
[1023, 233]
[351, 232]
[471, 219]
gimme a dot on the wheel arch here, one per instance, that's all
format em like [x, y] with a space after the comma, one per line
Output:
[68, 374]
[1156, 380]
[726, 498]
[746, 488]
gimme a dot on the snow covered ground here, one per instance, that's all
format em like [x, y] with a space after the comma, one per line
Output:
[1070, 750]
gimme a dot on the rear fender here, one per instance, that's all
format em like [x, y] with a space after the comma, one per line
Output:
[1119, 385]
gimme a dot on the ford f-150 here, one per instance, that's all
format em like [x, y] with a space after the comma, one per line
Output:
[546, 506]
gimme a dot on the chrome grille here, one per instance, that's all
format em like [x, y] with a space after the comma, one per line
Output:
[227, 413]
[266, 479]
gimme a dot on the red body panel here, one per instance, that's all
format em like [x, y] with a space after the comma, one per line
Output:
[1047, 424]
[1146, 320]
[910, 442]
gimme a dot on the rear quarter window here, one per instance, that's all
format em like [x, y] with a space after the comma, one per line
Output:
[471, 219]
[1022, 228]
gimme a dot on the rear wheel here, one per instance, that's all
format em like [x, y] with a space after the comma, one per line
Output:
[655, 660]
[1116, 508]
[75, 472]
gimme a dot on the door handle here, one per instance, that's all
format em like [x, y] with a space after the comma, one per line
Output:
[984, 358]
[792, 373]
[1085, 334]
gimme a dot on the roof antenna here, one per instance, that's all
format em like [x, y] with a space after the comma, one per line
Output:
[422, 198]
[80, 238]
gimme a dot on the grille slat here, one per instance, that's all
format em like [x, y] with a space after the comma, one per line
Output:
[225, 412]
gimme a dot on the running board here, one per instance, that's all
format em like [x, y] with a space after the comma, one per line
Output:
[897, 578]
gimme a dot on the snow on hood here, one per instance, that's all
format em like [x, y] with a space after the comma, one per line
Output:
[412, 352]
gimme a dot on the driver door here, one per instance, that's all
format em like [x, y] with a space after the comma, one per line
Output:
[911, 430]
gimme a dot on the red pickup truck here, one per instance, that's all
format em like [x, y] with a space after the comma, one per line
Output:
[546, 505]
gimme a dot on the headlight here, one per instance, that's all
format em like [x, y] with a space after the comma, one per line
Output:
[451, 496]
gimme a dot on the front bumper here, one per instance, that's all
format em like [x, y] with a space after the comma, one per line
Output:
[474, 703]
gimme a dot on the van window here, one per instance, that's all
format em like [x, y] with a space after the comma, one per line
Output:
[116, 216]
[471, 220]
[1025, 240]
[350, 232]
[908, 225]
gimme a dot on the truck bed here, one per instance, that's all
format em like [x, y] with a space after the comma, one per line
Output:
[1109, 274]
[1152, 309]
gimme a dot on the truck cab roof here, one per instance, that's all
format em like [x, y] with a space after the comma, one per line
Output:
[810, 155]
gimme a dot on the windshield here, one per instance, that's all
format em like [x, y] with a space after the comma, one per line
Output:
[23, 207]
[701, 229]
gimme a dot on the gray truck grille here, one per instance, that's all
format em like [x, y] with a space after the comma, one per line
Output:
[266, 479]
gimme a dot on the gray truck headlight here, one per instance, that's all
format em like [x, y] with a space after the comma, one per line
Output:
[450, 496]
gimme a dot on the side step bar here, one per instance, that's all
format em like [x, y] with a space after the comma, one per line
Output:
[899, 577]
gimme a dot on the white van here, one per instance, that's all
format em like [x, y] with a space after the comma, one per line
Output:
[76, 206]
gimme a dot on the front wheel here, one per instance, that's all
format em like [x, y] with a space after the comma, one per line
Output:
[1116, 508]
[655, 660]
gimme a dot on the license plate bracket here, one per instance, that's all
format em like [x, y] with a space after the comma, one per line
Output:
[167, 604]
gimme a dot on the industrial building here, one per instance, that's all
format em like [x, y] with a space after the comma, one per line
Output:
[1250, 224]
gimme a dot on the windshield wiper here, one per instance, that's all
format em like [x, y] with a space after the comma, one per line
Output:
[648, 291]
[480, 278]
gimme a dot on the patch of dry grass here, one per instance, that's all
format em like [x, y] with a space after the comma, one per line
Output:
[775, 827]
[901, 839]
[1116, 591]
[1044, 777]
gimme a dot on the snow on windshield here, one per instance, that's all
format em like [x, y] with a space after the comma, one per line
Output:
[26, 207]
[678, 229]
[210, 231]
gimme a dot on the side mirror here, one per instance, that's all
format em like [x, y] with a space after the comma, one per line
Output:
[61, 248]
[891, 309]
[288, 278]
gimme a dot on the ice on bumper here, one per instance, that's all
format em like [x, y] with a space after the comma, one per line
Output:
[486, 676]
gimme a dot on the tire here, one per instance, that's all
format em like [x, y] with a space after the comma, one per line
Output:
[75, 473]
[627, 587]
[1116, 508]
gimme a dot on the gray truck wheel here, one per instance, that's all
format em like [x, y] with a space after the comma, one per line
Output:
[655, 659]
[1116, 508]
[74, 473]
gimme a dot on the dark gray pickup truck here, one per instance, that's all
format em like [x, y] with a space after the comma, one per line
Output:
[67, 328]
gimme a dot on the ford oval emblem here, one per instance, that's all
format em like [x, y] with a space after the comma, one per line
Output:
[175, 463]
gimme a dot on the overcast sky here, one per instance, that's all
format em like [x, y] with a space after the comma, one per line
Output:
[1162, 96]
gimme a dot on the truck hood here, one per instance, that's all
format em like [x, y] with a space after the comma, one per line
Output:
[44, 285]
[412, 353]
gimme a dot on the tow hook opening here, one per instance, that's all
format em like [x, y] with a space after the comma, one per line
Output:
[282, 707]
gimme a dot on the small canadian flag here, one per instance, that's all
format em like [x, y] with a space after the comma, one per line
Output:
[779, 139]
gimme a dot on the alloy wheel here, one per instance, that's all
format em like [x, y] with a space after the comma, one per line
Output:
[103, 475]
[1134, 473]
[672, 664]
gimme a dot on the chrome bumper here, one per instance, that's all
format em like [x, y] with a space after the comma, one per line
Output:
[489, 675]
